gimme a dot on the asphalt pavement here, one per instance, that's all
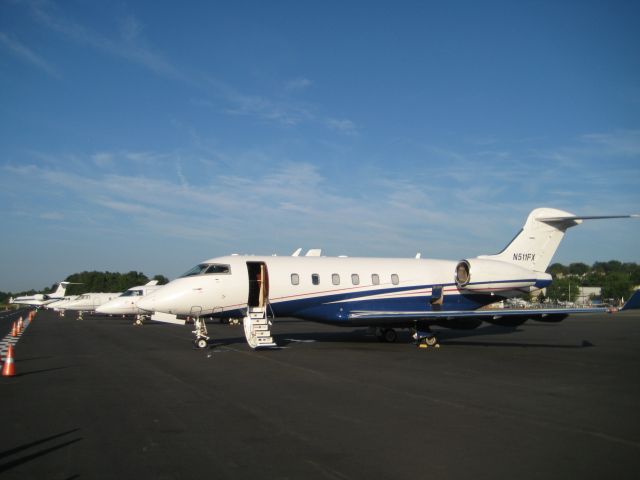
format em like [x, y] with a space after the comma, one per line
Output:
[100, 398]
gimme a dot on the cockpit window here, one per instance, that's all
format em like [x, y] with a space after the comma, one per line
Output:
[132, 293]
[206, 268]
[217, 268]
[197, 270]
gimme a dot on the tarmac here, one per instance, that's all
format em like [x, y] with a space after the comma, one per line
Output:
[100, 398]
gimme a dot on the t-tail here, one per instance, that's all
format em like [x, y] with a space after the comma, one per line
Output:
[537, 242]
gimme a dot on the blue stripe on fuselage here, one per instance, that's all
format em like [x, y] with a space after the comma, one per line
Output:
[335, 307]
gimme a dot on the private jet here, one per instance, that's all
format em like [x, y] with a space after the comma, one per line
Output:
[127, 303]
[381, 293]
[88, 302]
[42, 299]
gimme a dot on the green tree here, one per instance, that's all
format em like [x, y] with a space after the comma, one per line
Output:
[579, 268]
[162, 280]
[557, 269]
[616, 285]
[563, 289]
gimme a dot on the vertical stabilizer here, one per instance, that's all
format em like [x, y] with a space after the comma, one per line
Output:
[60, 291]
[537, 242]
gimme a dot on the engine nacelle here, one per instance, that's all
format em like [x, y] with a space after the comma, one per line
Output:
[480, 275]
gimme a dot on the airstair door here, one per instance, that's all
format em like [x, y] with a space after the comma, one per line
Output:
[258, 284]
[257, 326]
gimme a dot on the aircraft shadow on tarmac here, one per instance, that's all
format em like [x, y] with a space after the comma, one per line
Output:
[17, 451]
[472, 338]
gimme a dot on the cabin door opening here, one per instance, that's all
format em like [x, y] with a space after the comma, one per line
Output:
[258, 284]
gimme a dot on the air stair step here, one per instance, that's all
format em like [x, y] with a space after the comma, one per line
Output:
[260, 321]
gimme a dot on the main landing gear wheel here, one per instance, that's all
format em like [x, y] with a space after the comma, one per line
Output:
[431, 341]
[424, 337]
[387, 335]
[201, 343]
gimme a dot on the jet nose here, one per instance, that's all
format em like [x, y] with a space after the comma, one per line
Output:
[148, 303]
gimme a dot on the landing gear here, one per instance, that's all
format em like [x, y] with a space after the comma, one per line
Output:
[202, 337]
[140, 319]
[386, 335]
[80, 315]
[425, 338]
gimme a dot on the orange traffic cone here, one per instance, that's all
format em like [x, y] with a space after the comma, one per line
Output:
[9, 368]
[20, 324]
[14, 330]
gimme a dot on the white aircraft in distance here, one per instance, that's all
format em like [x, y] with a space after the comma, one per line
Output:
[88, 302]
[382, 293]
[41, 299]
[61, 305]
[127, 303]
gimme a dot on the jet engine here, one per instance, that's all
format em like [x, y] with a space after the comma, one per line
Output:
[479, 275]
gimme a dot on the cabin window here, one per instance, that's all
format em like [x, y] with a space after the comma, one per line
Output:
[355, 279]
[335, 279]
[394, 279]
[295, 279]
[375, 279]
[315, 279]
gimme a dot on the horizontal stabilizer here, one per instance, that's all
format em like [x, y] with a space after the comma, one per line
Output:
[633, 303]
[584, 217]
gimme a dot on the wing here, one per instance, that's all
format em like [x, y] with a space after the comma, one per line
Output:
[542, 314]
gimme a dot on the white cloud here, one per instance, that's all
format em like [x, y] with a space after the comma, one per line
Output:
[300, 83]
[102, 159]
[26, 54]
[344, 125]
[455, 208]
[52, 216]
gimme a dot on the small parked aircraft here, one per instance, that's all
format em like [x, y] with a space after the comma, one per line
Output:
[127, 303]
[41, 299]
[382, 293]
[88, 302]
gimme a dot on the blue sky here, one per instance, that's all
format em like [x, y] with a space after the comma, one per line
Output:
[149, 136]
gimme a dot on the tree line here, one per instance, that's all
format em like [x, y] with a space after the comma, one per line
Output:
[617, 279]
[94, 282]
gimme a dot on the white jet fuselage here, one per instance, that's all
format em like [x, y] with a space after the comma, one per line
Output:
[329, 288]
[88, 302]
[127, 303]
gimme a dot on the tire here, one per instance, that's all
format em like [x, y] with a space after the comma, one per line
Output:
[431, 341]
[389, 335]
[202, 343]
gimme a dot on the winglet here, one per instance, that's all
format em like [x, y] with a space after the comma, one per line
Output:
[633, 303]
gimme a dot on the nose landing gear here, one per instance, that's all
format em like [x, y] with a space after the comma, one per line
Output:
[201, 333]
